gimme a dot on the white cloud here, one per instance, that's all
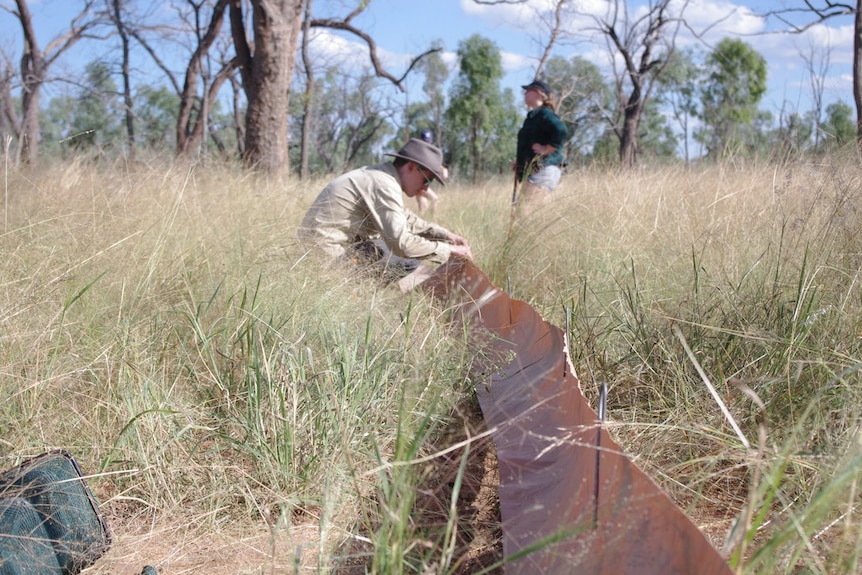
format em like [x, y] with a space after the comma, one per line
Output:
[716, 19]
[450, 59]
[528, 15]
[501, 14]
[513, 62]
[331, 49]
[837, 41]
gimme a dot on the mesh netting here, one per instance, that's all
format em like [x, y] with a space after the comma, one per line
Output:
[49, 521]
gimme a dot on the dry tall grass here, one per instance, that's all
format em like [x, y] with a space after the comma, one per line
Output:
[242, 408]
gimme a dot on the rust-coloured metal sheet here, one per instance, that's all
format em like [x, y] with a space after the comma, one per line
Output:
[571, 501]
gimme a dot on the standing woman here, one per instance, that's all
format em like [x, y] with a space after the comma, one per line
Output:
[540, 141]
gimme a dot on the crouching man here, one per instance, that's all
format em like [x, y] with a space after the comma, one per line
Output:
[361, 216]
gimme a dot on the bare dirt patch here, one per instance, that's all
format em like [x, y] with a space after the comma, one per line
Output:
[177, 546]
[175, 549]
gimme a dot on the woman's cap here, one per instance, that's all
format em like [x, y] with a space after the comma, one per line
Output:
[538, 85]
[426, 155]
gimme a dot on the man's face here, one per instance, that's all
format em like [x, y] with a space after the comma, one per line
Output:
[418, 179]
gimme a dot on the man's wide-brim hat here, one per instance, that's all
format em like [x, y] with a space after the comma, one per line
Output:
[426, 155]
[539, 85]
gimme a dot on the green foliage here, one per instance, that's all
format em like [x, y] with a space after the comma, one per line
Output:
[427, 114]
[678, 89]
[792, 137]
[351, 120]
[735, 83]
[481, 118]
[97, 115]
[436, 74]
[54, 126]
[583, 97]
[156, 117]
[839, 127]
[656, 137]
[88, 121]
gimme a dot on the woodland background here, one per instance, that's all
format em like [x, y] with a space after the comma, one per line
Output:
[241, 82]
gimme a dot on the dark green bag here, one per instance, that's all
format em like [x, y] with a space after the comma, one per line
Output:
[50, 523]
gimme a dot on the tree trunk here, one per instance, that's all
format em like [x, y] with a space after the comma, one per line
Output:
[631, 123]
[238, 115]
[276, 25]
[13, 127]
[857, 71]
[628, 143]
[34, 68]
[127, 85]
[307, 108]
[32, 77]
[190, 127]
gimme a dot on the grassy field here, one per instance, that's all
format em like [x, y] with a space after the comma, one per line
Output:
[241, 409]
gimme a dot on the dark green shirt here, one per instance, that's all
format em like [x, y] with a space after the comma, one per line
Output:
[542, 126]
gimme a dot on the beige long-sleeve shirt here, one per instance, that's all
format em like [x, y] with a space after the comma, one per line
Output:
[367, 203]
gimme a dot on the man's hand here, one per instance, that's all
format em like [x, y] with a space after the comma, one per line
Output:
[455, 239]
[462, 250]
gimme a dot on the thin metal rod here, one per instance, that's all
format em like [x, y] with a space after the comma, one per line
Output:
[603, 400]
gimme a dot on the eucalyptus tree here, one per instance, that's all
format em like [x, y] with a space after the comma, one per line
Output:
[265, 55]
[156, 115]
[734, 85]
[9, 125]
[481, 118]
[802, 15]
[352, 119]
[309, 94]
[117, 16]
[94, 121]
[36, 62]
[678, 92]
[584, 100]
[436, 74]
[201, 86]
[85, 120]
[839, 127]
[640, 42]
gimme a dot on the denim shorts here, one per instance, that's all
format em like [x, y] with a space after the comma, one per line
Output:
[547, 178]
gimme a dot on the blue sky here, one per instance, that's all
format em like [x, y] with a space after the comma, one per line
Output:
[404, 31]
[404, 28]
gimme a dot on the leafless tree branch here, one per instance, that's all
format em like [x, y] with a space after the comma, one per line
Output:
[824, 11]
[345, 25]
[415, 61]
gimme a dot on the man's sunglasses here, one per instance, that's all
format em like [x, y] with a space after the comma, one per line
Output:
[429, 177]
